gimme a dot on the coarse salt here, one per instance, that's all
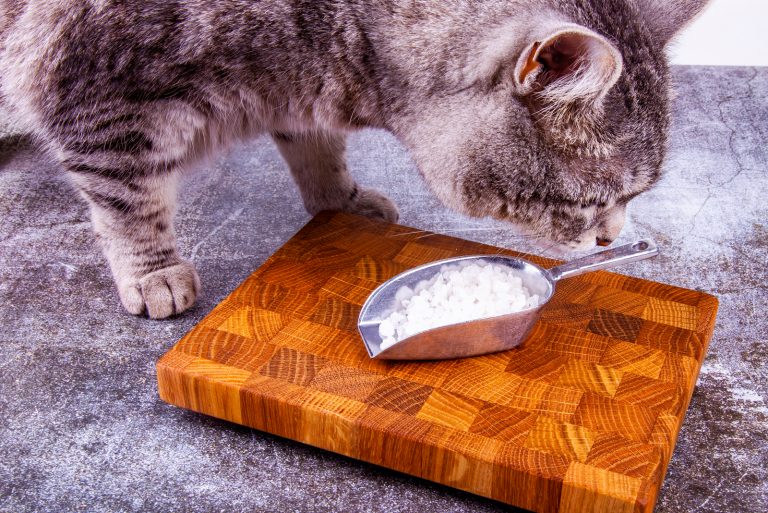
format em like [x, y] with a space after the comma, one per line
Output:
[458, 293]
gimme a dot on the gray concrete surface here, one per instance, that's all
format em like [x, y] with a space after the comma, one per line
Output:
[81, 425]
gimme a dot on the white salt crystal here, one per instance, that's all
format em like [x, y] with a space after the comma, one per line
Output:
[403, 293]
[387, 329]
[388, 342]
[458, 293]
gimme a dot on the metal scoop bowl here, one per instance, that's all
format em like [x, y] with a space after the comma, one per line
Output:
[488, 334]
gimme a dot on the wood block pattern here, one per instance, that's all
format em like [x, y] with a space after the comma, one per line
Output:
[569, 440]
[450, 410]
[582, 417]
[590, 377]
[503, 423]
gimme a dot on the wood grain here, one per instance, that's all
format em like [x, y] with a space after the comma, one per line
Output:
[582, 417]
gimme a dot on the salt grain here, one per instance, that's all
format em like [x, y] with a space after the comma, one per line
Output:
[458, 293]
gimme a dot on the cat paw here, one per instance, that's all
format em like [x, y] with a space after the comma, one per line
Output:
[371, 203]
[161, 293]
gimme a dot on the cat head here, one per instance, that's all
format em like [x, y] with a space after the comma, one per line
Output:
[558, 129]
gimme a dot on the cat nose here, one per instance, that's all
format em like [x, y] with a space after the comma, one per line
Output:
[603, 242]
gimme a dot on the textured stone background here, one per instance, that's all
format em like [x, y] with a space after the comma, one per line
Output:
[82, 428]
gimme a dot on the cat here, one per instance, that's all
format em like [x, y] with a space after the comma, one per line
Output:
[551, 114]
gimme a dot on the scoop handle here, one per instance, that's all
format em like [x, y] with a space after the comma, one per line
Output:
[639, 250]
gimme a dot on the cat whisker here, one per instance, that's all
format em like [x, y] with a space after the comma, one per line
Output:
[478, 229]
[407, 233]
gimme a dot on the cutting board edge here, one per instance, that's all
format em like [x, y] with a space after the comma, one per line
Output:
[168, 373]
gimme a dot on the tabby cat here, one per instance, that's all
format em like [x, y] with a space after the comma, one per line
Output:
[551, 114]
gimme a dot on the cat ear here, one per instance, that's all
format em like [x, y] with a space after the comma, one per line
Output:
[666, 18]
[571, 63]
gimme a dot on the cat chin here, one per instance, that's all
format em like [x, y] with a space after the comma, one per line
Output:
[549, 248]
[566, 250]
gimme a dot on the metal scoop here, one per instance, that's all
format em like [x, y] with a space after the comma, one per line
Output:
[488, 334]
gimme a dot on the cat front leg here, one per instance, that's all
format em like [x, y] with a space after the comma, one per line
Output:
[317, 162]
[132, 216]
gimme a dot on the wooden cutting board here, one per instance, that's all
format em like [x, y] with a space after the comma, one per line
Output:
[583, 417]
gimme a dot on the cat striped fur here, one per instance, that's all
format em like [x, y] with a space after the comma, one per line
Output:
[551, 114]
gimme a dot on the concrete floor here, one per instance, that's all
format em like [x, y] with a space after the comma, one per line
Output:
[82, 428]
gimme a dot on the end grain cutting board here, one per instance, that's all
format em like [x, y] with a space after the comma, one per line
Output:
[583, 417]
